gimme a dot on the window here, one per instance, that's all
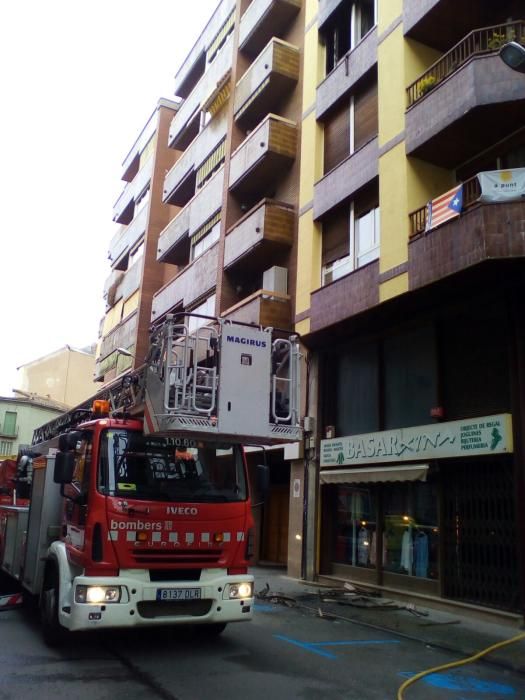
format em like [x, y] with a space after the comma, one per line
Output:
[345, 29]
[350, 240]
[351, 125]
[356, 527]
[410, 536]
[9, 423]
[6, 448]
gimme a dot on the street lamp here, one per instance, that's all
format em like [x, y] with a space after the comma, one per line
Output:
[513, 55]
[126, 353]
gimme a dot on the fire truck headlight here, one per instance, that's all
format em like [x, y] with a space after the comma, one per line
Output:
[98, 594]
[238, 591]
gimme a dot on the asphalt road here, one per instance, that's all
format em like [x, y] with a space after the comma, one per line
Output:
[283, 653]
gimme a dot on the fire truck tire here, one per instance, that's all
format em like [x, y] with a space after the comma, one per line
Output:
[53, 632]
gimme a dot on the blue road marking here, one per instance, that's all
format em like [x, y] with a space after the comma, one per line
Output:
[314, 647]
[264, 607]
[456, 681]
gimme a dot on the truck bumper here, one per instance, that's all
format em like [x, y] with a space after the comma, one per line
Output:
[145, 604]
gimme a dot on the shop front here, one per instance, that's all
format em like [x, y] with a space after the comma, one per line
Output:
[426, 509]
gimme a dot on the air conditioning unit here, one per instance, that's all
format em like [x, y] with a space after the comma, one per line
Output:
[275, 279]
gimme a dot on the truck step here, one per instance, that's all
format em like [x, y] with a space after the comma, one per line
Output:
[8, 602]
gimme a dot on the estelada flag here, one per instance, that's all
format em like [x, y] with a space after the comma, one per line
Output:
[444, 207]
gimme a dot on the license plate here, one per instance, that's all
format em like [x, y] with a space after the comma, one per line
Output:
[178, 593]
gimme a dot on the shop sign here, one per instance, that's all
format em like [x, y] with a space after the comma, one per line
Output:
[461, 438]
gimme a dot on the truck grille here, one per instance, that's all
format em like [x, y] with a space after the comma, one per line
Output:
[156, 608]
[186, 556]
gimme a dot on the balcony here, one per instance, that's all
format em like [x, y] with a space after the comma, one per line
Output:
[131, 280]
[262, 232]
[128, 236]
[465, 112]
[122, 336]
[347, 73]
[263, 308]
[271, 76]
[174, 241]
[264, 19]
[190, 108]
[263, 155]
[347, 178]
[481, 232]
[345, 298]
[442, 23]
[180, 182]
[195, 281]
[111, 292]
[193, 67]
[124, 206]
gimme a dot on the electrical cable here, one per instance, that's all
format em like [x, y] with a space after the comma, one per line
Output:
[454, 664]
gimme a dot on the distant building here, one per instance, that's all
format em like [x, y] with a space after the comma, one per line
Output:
[19, 417]
[64, 376]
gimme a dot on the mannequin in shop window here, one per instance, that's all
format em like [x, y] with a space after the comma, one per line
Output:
[421, 553]
[407, 551]
[363, 546]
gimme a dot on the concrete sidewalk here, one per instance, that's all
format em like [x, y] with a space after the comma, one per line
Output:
[463, 635]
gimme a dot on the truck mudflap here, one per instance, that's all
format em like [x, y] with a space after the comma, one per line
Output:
[10, 601]
[132, 600]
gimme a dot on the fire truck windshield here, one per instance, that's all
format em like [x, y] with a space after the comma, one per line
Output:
[166, 469]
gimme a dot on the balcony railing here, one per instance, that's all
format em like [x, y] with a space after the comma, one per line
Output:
[471, 194]
[128, 235]
[120, 337]
[478, 42]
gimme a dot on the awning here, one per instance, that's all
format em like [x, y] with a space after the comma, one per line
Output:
[374, 475]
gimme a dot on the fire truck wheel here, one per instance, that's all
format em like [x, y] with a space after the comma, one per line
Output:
[53, 632]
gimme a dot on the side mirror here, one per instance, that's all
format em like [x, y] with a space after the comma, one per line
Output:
[262, 480]
[64, 467]
[68, 441]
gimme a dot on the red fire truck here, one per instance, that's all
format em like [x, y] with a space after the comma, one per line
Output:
[140, 511]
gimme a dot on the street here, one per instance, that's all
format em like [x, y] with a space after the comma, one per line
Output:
[285, 652]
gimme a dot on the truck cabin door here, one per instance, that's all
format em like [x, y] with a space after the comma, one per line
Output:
[76, 494]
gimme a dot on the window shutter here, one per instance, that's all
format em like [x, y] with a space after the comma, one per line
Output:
[365, 116]
[336, 235]
[337, 136]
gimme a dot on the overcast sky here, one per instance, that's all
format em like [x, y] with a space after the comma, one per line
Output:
[79, 81]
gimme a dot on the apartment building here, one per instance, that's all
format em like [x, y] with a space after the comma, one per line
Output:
[409, 298]
[215, 233]
[19, 416]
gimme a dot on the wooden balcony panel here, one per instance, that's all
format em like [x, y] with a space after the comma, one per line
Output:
[122, 336]
[271, 76]
[264, 19]
[172, 238]
[205, 86]
[267, 227]
[263, 155]
[347, 73]
[263, 308]
[347, 178]
[449, 125]
[196, 280]
[121, 244]
[484, 232]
